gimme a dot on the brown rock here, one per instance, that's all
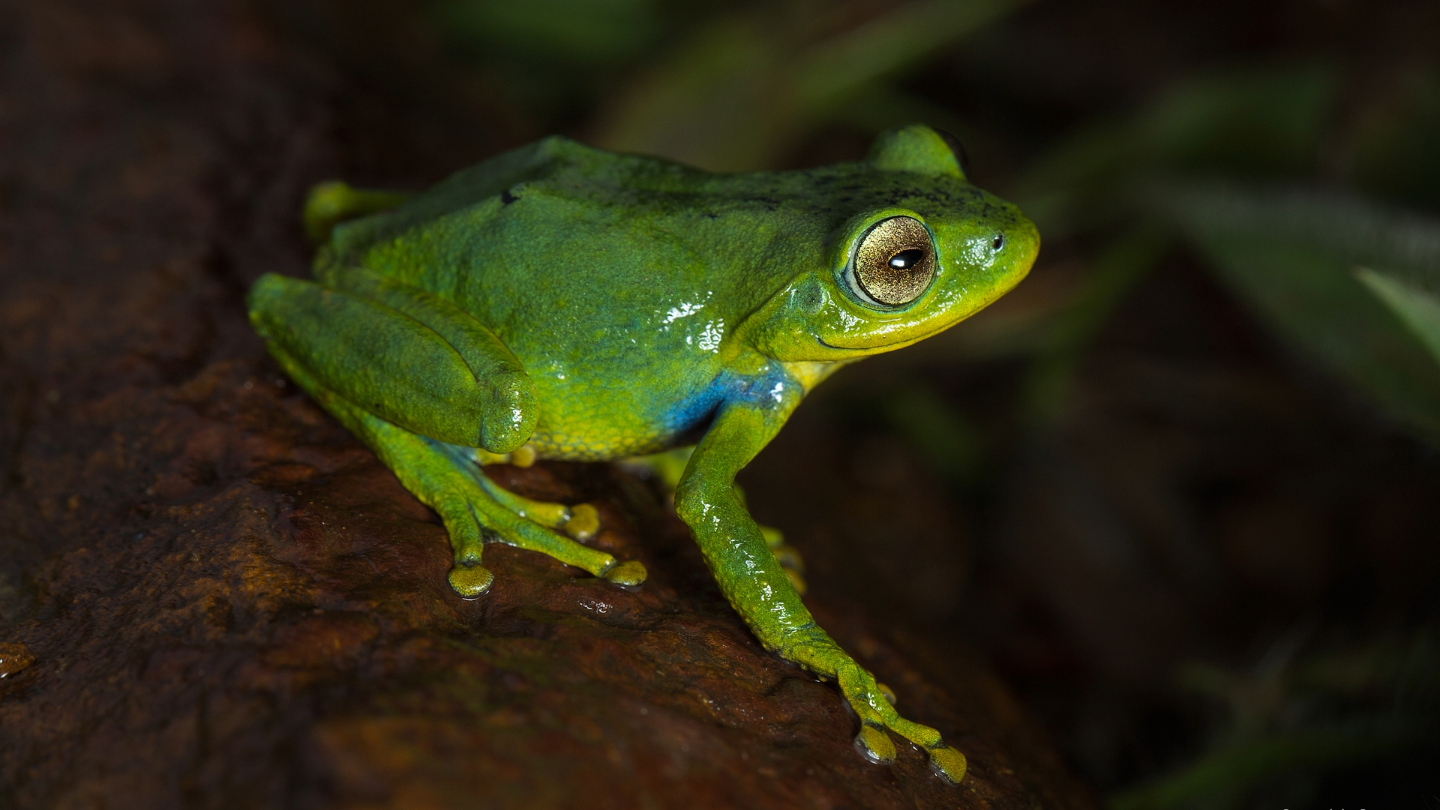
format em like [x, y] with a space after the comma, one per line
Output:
[14, 659]
[229, 602]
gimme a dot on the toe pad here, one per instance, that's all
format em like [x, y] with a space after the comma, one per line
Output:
[627, 574]
[584, 522]
[875, 745]
[471, 581]
[948, 764]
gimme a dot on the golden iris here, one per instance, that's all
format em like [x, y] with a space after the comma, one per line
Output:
[895, 261]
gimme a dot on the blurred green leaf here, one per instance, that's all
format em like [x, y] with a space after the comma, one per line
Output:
[1256, 122]
[1416, 307]
[947, 442]
[1291, 713]
[1231, 770]
[1290, 254]
[1261, 122]
[745, 88]
[1114, 274]
[1079, 182]
[831, 71]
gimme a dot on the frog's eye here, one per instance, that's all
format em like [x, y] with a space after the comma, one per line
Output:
[894, 263]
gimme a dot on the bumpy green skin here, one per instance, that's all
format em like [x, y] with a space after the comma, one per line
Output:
[590, 306]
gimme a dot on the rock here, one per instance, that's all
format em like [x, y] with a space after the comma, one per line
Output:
[210, 595]
[14, 659]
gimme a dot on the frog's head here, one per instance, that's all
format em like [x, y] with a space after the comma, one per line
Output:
[923, 250]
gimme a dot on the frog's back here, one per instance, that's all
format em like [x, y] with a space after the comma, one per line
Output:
[605, 274]
[617, 280]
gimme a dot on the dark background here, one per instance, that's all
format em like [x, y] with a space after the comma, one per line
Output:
[1180, 486]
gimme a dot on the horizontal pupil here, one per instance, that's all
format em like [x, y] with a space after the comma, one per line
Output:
[906, 259]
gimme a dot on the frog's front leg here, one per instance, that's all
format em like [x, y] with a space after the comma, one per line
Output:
[668, 467]
[757, 586]
[425, 386]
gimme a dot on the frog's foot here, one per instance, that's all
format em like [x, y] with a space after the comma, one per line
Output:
[474, 506]
[581, 521]
[789, 558]
[873, 704]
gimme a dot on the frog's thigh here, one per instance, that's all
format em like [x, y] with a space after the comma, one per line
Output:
[414, 462]
[444, 478]
[437, 379]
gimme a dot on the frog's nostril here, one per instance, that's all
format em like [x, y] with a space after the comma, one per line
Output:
[999, 242]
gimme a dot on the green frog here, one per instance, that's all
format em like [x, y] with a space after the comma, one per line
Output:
[564, 302]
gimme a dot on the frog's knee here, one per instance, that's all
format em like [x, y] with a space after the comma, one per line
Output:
[266, 301]
[690, 501]
[509, 410]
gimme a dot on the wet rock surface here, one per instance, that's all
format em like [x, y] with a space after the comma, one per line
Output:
[210, 595]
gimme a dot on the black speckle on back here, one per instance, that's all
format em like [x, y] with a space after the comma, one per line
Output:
[506, 197]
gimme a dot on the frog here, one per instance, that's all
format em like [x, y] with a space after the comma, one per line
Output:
[564, 302]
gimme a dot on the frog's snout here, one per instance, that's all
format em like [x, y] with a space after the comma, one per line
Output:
[1019, 246]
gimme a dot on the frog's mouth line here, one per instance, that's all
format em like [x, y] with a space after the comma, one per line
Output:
[897, 344]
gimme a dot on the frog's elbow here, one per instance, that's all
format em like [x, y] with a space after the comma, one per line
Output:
[690, 502]
[697, 500]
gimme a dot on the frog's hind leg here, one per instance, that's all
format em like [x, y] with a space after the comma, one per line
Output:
[446, 478]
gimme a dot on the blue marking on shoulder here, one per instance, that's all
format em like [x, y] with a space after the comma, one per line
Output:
[771, 389]
[691, 413]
